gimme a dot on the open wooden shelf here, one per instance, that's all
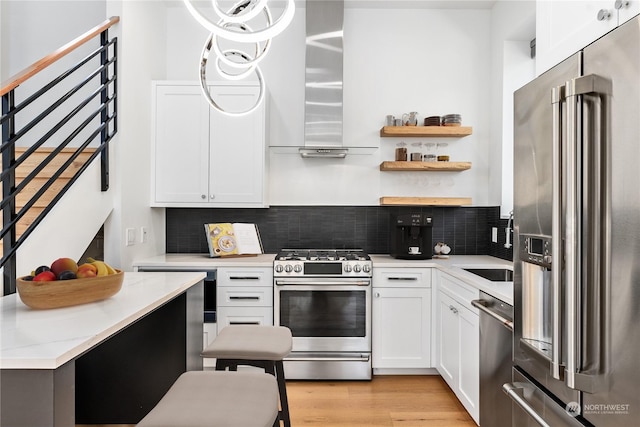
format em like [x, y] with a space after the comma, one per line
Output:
[425, 201]
[426, 131]
[425, 166]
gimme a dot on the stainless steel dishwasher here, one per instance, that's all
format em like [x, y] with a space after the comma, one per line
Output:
[496, 338]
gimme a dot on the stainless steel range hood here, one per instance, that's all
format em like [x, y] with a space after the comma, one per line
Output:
[323, 79]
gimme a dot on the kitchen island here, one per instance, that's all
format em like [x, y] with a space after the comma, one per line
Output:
[106, 362]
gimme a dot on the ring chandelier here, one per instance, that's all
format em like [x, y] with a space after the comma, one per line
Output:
[233, 25]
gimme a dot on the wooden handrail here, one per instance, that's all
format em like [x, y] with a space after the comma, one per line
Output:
[49, 59]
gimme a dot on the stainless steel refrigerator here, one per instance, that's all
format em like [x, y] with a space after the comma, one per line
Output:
[576, 341]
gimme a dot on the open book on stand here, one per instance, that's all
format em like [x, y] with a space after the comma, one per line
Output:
[233, 239]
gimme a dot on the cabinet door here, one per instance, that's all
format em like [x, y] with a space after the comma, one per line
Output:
[448, 340]
[628, 9]
[180, 157]
[237, 155]
[210, 331]
[469, 368]
[401, 319]
[564, 27]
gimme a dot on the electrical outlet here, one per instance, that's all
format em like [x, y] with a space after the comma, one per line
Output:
[143, 235]
[494, 234]
[131, 236]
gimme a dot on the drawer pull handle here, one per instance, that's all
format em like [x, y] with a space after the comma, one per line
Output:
[244, 278]
[256, 298]
[245, 323]
[453, 309]
[402, 278]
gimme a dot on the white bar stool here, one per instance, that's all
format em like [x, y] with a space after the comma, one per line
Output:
[255, 345]
[217, 399]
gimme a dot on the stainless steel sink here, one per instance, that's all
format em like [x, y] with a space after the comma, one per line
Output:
[493, 274]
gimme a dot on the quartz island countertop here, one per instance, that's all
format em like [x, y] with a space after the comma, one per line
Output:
[47, 339]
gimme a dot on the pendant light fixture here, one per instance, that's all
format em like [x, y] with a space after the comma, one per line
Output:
[233, 25]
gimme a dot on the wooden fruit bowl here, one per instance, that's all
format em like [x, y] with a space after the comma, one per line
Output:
[65, 293]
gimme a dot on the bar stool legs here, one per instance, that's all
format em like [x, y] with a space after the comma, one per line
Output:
[273, 367]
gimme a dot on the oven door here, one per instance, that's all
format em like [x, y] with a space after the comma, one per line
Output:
[325, 314]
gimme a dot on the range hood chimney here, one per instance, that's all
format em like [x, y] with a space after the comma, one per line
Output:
[323, 79]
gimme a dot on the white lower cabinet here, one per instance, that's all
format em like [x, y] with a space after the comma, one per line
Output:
[209, 333]
[458, 341]
[244, 296]
[401, 318]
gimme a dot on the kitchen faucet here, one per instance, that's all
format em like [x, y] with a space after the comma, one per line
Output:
[507, 232]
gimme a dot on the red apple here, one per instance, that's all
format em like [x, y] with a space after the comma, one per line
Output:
[45, 276]
[63, 264]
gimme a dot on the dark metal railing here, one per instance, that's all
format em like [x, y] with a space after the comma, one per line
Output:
[80, 131]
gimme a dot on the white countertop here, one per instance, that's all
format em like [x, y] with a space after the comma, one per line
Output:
[454, 265]
[46, 339]
[204, 261]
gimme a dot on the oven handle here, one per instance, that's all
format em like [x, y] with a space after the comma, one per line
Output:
[316, 282]
[363, 358]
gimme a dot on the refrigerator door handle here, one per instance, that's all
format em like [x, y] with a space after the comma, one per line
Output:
[557, 99]
[516, 392]
[574, 215]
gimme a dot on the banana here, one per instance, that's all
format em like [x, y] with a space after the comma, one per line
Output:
[103, 268]
[110, 269]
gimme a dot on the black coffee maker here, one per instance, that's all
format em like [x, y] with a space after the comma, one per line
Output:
[411, 236]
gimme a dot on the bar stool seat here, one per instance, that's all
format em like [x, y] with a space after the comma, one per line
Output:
[217, 399]
[255, 345]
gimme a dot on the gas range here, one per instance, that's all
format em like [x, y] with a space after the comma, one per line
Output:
[322, 263]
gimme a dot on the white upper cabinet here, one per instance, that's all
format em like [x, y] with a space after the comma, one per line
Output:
[565, 27]
[627, 10]
[204, 158]
[180, 159]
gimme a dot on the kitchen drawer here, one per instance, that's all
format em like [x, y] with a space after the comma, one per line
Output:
[245, 276]
[244, 316]
[401, 278]
[245, 296]
[459, 290]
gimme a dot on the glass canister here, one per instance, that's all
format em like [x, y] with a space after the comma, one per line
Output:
[401, 152]
[443, 152]
[429, 152]
[416, 151]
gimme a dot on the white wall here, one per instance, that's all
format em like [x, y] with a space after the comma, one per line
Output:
[512, 29]
[142, 45]
[434, 61]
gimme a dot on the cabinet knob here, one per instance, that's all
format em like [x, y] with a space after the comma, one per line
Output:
[213, 196]
[620, 4]
[377, 294]
[603, 15]
[203, 196]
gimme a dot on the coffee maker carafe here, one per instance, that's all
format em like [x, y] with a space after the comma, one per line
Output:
[411, 236]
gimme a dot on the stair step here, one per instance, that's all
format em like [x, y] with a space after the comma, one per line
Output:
[30, 190]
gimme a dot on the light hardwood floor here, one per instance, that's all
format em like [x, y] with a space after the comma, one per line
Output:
[396, 401]
[384, 401]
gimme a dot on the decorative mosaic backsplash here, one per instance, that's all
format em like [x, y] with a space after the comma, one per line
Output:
[467, 230]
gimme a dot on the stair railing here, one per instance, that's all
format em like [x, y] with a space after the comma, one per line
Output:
[77, 124]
